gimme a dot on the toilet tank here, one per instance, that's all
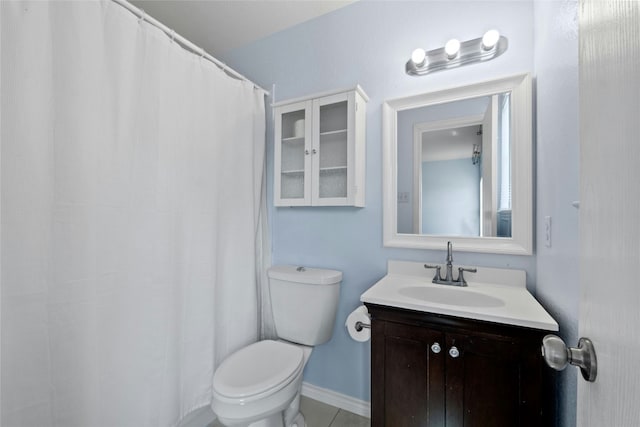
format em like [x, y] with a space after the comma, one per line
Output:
[304, 302]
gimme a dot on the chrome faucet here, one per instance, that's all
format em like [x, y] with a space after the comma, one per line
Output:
[448, 279]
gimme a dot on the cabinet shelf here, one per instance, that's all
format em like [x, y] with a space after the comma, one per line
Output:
[327, 169]
[333, 132]
[293, 139]
[333, 168]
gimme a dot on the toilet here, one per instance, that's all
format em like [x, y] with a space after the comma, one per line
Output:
[259, 385]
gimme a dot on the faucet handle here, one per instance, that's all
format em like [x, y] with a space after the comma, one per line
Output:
[437, 267]
[461, 279]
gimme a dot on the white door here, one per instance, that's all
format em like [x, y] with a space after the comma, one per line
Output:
[610, 210]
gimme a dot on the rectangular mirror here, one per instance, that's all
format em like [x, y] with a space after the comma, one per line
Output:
[457, 167]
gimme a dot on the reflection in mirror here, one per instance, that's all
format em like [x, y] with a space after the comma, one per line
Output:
[457, 166]
[454, 168]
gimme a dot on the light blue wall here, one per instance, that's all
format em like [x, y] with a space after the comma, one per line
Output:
[558, 152]
[451, 197]
[368, 43]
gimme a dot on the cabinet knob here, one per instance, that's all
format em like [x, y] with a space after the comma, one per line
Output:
[453, 352]
[314, 151]
[435, 347]
[306, 152]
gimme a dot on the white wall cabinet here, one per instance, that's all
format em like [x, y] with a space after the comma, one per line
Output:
[319, 153]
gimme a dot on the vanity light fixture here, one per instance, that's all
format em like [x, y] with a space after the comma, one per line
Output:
[456, 54]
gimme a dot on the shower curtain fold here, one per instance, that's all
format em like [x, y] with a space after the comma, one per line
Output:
[131, 186]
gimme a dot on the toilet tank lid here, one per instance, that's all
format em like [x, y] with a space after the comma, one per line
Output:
[314, 276]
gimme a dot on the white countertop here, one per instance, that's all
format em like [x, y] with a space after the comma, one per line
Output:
[508, 301]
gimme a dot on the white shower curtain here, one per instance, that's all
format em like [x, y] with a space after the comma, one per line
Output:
[131, 175]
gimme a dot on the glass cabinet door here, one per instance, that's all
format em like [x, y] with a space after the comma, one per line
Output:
[293, 155]
[333, 150]
[331, 162]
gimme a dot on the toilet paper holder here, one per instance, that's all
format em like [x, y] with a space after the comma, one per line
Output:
[360, 325]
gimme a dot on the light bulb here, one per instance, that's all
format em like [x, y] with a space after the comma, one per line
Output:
[452, 48]
[418, 57]
[490, 39]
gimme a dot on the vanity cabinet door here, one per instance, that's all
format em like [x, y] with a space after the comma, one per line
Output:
[484, 382]
[408, 388]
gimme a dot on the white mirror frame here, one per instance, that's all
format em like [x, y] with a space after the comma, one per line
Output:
[521, 242]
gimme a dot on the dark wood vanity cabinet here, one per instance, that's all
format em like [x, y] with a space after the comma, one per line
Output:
[434, 370]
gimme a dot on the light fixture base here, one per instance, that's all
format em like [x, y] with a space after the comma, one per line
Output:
[471, 51]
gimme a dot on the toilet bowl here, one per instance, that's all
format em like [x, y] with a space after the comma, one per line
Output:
[259, 385]
[259, 381]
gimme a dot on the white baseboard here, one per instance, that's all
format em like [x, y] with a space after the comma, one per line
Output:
[336, 399]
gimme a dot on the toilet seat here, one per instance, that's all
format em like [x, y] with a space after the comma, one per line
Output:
[256, 371]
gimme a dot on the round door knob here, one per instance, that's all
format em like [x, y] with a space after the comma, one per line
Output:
[435, 347]
[453, 352]
[558, 356]
[555, 352]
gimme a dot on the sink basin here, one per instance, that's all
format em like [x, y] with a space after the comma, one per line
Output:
[451, 296]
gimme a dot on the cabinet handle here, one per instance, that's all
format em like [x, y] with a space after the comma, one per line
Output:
[435, 347]
[314, 151]
[453, 352]
[306, 152]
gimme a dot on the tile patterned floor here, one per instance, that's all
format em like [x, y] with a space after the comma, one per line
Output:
[318, 414]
